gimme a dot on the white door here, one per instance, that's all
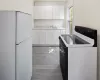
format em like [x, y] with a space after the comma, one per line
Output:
[24, 60]
[43, 12]
[50, 37]
[58, 12]
[56, 38]
[24, 26]
[42, 36]
[7, 45]
[63, 31]
[36, 37]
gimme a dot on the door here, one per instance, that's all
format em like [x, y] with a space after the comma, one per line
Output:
[63, 59]
[24, 26]
[50, 37]
[58, 12]
[43, 12]
[63, 31]
[24, 60]
[42, 36]
[56, 36]
[7, 45]
[36, 37]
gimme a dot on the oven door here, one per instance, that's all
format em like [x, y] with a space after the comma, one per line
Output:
[63, 59]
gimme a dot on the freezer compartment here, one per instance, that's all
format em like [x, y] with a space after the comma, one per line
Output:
[24, 26]
[24, 60]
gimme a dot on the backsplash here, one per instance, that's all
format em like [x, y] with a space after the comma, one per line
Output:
[48, 23]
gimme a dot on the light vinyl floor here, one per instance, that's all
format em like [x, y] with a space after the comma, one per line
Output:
[46, 63]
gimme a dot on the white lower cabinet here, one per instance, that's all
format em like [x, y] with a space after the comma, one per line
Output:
[36, 36]
[42, 37]
[63, 31]
[57, 33]
[50, 37]
[47, 37]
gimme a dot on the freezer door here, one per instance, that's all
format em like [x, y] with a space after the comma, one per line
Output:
[24, 26]
[24, 60]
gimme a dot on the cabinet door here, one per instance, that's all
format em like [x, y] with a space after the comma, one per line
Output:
[50, 37]
[56, 38]
[43, 12]
[42, 36]
[36, 36]
[58, 12]
[63, 31]
[24, 60]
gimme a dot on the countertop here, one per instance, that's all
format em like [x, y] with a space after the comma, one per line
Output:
[44, 28]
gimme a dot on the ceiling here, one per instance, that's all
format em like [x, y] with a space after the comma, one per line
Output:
[49, 0]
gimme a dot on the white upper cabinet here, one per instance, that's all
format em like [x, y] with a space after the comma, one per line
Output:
[49, 12]
[58, 12]
[43, 12]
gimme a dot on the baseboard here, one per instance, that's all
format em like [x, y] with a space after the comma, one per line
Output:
[45, 45]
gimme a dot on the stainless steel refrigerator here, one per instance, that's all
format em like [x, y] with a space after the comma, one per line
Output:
[15, 45]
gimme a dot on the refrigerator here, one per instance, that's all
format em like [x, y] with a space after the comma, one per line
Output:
[15, 45]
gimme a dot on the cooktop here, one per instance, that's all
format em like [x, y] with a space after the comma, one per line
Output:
[73, 39]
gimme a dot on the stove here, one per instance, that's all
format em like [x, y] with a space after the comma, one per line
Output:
[78, 54]
[73, 39]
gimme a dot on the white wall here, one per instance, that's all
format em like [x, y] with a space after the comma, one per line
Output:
[50, 0]
[18, 5]
[87, 13]
[49, 3]
[70, 2]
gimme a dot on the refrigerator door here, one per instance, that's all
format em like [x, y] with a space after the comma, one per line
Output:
[24, 26]
[7, 45]
[24, 60]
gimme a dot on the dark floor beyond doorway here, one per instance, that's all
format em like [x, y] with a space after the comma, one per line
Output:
[46, 63]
